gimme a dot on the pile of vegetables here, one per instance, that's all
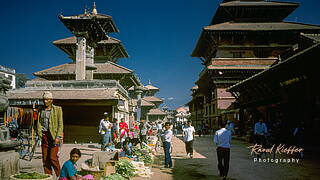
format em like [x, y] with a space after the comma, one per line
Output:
[143, 154]
[33, 175]
[125, 168]
[114, 176]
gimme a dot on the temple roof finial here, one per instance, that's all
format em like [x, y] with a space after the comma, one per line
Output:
[94, 9]
[85, 10]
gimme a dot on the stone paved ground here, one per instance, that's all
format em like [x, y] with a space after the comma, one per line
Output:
[203, 166]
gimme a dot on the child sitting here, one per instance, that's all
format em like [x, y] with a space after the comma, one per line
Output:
[69, 168]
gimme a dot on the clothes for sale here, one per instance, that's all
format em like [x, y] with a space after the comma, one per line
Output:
[12, 113]
[188, 133]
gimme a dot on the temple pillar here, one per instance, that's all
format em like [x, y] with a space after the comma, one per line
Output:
[89, 63]
[81, 58]
[138, 92]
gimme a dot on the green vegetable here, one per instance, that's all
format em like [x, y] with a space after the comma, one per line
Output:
[125, 168]
[143, 154]
[33, 175]
[114, 176]
[147, 159]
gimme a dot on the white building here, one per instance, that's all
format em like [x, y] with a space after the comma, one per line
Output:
[10, 74]
[182, 114]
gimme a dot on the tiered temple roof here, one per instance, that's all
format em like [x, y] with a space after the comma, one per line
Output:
[144, 103]
[261, 26]
[60, 79]
[152, 99]
[151, 87]
[108, 70]
[240, 64]
[94, 27]
[78, 94]
[253, 10]
[156, 112]
[69, 69]
[105, 50]
[209, 38]
[86, 91]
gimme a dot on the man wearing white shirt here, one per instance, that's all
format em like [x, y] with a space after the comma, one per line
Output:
[105, 130]
[167, 138]
[188, 137]
[222, 139]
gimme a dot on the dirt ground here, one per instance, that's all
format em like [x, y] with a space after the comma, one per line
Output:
[242, 166]
[203, 166]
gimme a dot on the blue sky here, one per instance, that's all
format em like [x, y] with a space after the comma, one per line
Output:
[158, 35]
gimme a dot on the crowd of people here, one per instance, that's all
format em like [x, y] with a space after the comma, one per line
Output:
[123, 135]
[115, 135]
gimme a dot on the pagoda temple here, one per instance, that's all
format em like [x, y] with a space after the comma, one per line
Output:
[286, 95]
[150, 104]
[244, 38]
[91, 84]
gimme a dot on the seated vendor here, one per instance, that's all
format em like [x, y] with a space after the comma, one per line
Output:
[127, 146]
[69, 168]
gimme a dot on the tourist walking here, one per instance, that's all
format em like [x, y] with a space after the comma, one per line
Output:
[105, 131]
[188, 137]
[159, 127]
[50, 130]
[222, 140]
[199, 129]
[260, 130]
[167, 139]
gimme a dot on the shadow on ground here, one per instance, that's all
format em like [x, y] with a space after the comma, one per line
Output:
[201, 167]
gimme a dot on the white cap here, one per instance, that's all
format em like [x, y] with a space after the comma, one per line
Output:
[47, 95]
[105, 113]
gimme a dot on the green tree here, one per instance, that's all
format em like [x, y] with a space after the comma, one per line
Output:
[21, 80]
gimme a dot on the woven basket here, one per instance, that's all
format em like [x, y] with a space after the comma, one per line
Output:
[47, 178]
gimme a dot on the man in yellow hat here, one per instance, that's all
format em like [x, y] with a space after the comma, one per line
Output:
[50, 130]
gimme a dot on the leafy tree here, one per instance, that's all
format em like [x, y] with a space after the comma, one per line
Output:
[21, 80]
